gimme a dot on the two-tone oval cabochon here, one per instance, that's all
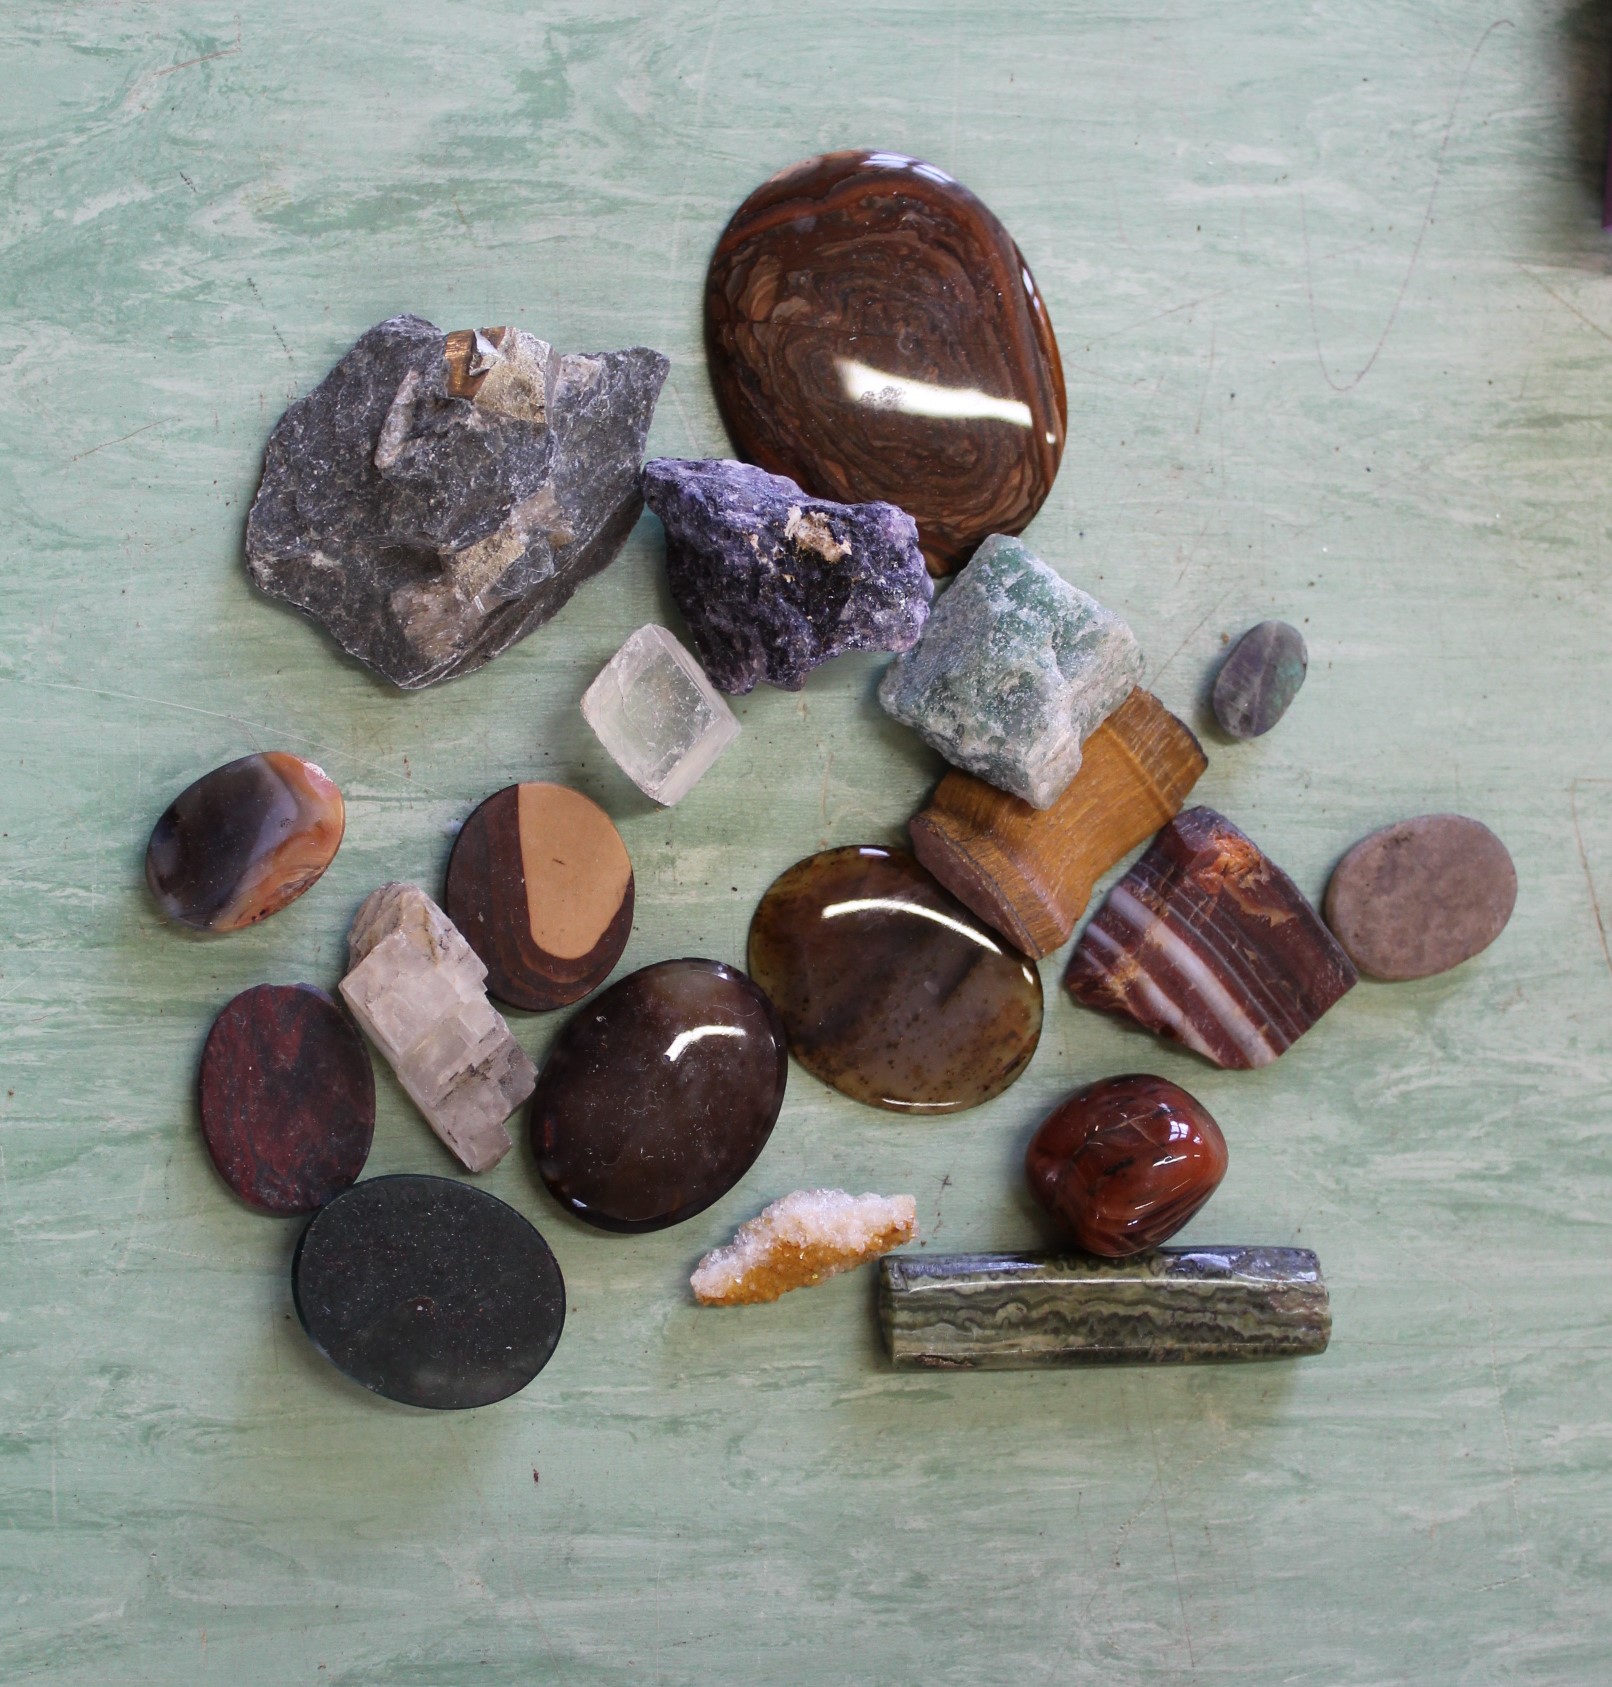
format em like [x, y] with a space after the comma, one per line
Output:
[541, 885]
[429, 1291]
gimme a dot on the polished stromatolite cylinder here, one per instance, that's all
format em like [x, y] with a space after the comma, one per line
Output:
[1034, 1311]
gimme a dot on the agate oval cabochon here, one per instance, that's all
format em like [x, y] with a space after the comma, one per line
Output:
[541, 886]
[428, 1291]
[874, 333]
[889, 988]
[244, 841]
[659, 1095]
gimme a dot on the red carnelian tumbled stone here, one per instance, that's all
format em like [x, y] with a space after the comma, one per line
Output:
[1124, 1164]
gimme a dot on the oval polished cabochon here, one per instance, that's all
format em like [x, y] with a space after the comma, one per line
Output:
[287, 1097]
[889, 988]
[244, 841]
[429, 1292]
[541, 886]
[874, 333]
[658, 1095]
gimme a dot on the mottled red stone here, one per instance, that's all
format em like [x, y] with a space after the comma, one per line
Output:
[1208, 941]
[1124, 1164]
[874, 333]
[287, 1098]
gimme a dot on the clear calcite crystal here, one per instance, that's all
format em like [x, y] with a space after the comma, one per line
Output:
[801, 1239]
[416, 987]
[658, 715]
[1015, 670]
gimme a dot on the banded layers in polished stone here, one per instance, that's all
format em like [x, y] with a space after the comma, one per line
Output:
[658, 1095]
[874, 333]
[244, 841]
[540, 884]
[1125, 1163]
[890, 990]
[1175, 1306]
[1028, 872]
[1207, 941]
[286, 1094]
[429, 1292]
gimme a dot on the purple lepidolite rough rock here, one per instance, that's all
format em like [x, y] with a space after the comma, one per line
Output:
[1206, 940]
[772, 582]
[437, 496]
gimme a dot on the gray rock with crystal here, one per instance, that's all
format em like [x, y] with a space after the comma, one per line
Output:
[437, 496]
[416, 986]
[772, 582]
[1015, 670]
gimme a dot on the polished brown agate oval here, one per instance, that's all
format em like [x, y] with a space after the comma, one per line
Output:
[287, 1098]
[1124, 1164]
[541, 886]
[659, 1095]
[244, 841]
[874, 333]
[889, 988]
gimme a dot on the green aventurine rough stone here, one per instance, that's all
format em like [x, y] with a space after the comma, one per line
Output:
[1015, 669]
[1174, 1306]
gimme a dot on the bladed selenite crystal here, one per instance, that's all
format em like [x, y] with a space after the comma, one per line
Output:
[416, 987]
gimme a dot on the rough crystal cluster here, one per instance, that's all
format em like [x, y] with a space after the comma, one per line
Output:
[416, 987]
[772, 582]
[1206, 940]
[801, 1239]
[1015, 669]
[658, 715]
[438, 496]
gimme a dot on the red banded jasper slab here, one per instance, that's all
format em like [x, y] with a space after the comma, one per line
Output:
[541, 886]
[874, 333]
[1207, 941]
[1124, 1164]
[287, 1098]
[244, 841]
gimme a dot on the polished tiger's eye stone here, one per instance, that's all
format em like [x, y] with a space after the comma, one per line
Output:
[1206, 940]
[244, 841]
[429, 1292]
[874, 333]
[1123, 1164]
[1178, 1306]
[659, 1095]
[1259, 679]
[1422, 896]
[1028, 872]
[890, 989]
[540, 884]
[287, 1098]
[1014, 672]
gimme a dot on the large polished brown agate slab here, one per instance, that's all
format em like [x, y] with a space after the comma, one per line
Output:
[541, 886]
[244, 841]
[659, 1095]
[1206, 940]
[874, 333]
[889, 988]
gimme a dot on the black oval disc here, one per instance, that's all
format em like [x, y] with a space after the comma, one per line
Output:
[428, 1291]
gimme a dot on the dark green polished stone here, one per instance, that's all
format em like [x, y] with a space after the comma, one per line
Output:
[889, 988]
[1175, 1306]
[428, 1291]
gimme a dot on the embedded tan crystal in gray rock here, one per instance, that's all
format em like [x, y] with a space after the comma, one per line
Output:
[437, 496]
[416, 987]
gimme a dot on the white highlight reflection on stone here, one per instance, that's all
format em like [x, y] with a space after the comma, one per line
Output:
[871, 387]
[415, 986]
[658, 715]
